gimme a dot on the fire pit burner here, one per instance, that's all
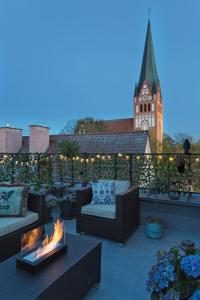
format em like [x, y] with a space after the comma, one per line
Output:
[51, 248]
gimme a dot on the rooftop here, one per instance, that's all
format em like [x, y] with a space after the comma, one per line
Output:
[129, 142]
[125, 269]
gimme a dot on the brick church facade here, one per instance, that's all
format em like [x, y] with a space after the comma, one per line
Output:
[147, 100]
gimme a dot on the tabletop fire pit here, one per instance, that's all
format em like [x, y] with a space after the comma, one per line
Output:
[37, 252]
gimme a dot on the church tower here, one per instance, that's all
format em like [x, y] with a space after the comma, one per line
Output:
[147, 96]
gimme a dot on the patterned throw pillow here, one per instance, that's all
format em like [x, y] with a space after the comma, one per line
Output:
[103, 193]
[13, 200]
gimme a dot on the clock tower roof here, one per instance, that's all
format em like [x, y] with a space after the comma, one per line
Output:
[148, 69]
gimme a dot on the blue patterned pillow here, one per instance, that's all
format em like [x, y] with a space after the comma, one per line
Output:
[103, 193]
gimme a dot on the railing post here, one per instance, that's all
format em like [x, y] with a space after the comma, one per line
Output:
[99, 168]
[130, 168]
[12, 168]
[38, 167]
[85, 164]
[115, 166]
[72, 170]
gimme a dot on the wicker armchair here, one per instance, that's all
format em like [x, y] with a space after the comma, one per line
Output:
[119, 228]
[10, 243]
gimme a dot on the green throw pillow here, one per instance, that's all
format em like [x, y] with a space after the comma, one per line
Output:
[13, 200]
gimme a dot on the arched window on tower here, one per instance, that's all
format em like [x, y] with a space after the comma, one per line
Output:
[145, 107]
[141, 110]
[149, 107]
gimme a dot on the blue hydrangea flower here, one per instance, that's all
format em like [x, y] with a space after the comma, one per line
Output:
[165, 257]
[171, 295]
[195, 296]
[160, 276]
[191, 265]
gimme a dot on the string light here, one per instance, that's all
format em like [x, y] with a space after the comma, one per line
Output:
[119, 154]
[160, 156]
[98, 156]
[171, 158]
[197, 159]
[138, 157]
[92, 159]
[127, 157]
[77, 157]
[87, 160]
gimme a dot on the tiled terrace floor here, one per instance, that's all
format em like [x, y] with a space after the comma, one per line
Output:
[124, 269]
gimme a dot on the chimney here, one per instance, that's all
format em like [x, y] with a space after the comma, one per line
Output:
[10, 140]
[39, 139]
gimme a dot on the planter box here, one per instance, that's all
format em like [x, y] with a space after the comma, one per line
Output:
[47, 214]
[67, 210]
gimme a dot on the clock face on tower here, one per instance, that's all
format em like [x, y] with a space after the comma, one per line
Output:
[145, 124]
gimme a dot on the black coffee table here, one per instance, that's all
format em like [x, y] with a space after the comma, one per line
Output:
[69, 277]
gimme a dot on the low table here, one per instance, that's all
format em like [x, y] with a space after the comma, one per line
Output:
[69, 277]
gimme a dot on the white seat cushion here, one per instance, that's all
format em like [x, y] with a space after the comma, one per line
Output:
[120, 185]
[99, 210]
[10, 224]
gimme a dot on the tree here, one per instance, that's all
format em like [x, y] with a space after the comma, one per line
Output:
[175, 144]
[67, 148]
[89, 125]
[169, 144]
[69, 127]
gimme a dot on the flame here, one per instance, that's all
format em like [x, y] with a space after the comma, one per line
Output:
[48, 244]
[29, 238]
[51, 243]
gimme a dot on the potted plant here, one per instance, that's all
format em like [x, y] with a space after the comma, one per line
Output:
[180, 164]
[50, 203]
[176, 275]
[67, 206]
[154, 224]
[68, 150]
[84, 178]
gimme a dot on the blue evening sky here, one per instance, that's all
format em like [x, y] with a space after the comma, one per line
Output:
[61, 60]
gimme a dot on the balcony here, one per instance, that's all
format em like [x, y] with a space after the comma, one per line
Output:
[169, 187]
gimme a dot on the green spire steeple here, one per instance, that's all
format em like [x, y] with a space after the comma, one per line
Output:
[148, 70]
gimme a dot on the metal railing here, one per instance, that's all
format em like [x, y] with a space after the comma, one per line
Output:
[171, 173]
